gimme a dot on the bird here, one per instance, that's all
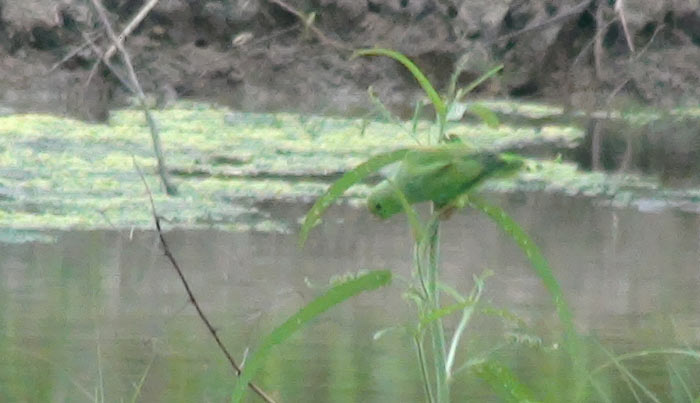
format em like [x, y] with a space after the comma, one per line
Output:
[439, 174]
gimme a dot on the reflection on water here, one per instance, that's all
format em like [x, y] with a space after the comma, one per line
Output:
[89, 315]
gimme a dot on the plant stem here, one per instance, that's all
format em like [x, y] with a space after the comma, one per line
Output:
[466, 315]
[423, 369]
[437, 333]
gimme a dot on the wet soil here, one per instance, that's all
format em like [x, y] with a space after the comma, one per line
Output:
[257, 55]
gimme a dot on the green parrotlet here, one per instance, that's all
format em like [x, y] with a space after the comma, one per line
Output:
[439, 174]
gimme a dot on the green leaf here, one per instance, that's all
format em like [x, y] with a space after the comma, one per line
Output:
[456, 111]
[469, 88]
[434, 97]
[440, 313]
[419, 231]
[337, 189]
[504, 382]
[313, 309]
[644, 353]
[485, 114]
[629, 378]
[573, 342]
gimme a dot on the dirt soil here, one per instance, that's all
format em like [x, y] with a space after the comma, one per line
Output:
[259, 55]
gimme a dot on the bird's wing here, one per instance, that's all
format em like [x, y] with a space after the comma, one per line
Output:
[439, 176]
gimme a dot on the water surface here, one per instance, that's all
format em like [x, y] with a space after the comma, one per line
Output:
[86, 317]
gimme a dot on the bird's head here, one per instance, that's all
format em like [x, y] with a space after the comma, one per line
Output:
[384, 200]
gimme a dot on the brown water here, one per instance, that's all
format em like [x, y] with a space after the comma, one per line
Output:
[83, 319]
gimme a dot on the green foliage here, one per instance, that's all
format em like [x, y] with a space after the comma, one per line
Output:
[438, 174]
[313, 309]
[504, 382]
[573, 341]
[438, 103]
[336, 190]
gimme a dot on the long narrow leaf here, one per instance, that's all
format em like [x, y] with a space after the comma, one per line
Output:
[644, 353]
[332, 297]
[350, 178]
[630, 379]
[504, 382]
[419, 231]
[538, 261]
[440, 313]
[417, 73]
[469, 88]
[485, 114]
[573, 343]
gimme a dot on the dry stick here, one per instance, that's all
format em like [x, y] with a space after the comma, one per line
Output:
[598, 44]
[130, 27]
[155, 135]
[587, 46]
[188, 290]
[620, 10]
[122, 36]
[565, 15]
[309, 25]
[117, 73]
[627, 157]
[72, 53]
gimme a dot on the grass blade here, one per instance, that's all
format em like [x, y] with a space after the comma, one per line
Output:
[538, 261]
[142, 381]
[337, 189]
[504, 382]
[678, 385]
[629, 378]
[573, 342]
[469, 88]
[419, 231]
[332, 297]
[644, 353]
[434, 97]
[437, 314]
[485, 114]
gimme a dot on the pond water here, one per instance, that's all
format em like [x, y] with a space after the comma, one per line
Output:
[98, 315]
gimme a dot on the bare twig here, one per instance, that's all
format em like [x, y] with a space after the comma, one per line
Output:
[72, 53]
[598, 43]
[596, 146]
[130, 27]
[627, 157]
[620, 10]
[155, 134]
[599, 33]
[117, 73]
[309, 25]
[563, 16]
[121, 37]
[168, 254]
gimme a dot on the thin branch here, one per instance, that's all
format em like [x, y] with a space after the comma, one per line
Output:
[130, 28]
[310, 26]
[563, 16]
[188, 290]
[155, 134]
[117, 73]
[598, 44]
[121, 37]
[620, 10]
[72, 53]
[587, 46]
[596, 146]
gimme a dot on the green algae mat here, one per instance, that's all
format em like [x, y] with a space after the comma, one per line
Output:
[60, 174]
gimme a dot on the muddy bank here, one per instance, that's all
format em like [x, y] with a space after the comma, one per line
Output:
[257, 55]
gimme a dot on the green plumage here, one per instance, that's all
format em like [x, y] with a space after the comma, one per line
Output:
[440, 175]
